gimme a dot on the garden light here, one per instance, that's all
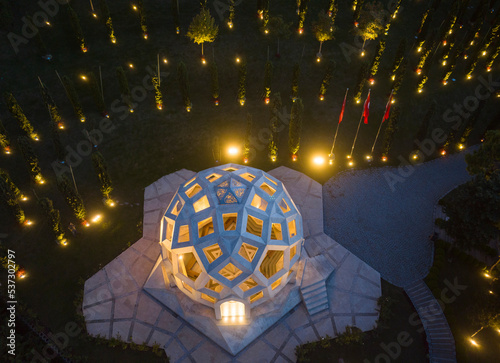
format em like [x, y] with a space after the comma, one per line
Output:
[97, 218]
[319, 160]
[233, 150]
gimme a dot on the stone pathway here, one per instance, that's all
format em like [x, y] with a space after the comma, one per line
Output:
[439, 337]
[116, 305]
[389, 227]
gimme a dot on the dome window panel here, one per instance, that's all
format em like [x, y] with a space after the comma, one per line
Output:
[230, 220]
[272, 181]
[276, 283]
[213, 177]
[268, 188]
[259, 203]
[187, 287]
[254, 226]
[247, 251]
[247, 176]
[230, 169]
[192, 191]
[276, 233]
[212, 252]
[170, 230]
[284, 206]
[205, 227]
[248, 284]
[256, 297]
[189, 266]
[201, 204]
[176, 209]
[230, 272]
[272, 263]
[293, 252]
[190, 181]
[208, 298]
[214, 286]
[232, 309]
[183, 234]
[292, 228]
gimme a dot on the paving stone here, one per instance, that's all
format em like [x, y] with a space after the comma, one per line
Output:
[289, 349]
[142, 244]
[98, 329]
[140, 333]
[152, 217]
[210, 353]
[341, 322]
[128, 257]
[97, 295]
[98, 312]
[159, 338]
[124, 306]
[259, 352]
[306, 334]
[140, 270]
[174, 351]
[363, 305]
[298, 318]
[151, 232]
[343, 278]
[121, 329]
[277, 335]
[189, 338]
[163, 186]
[98, 279]
[115, 269]
[153, 252]
[324, 327]
[282, 359]
[150, 192]
[366, 288]
[369, 273]
[123, 285]
[148, 310]
[366, 323]
[168, 322]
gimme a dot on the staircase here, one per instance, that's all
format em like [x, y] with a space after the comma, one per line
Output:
[439, 337]
[315, 297]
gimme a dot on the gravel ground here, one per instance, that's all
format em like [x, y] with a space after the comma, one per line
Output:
[389, 227]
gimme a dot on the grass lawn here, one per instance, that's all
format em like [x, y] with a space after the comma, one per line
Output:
[149, 143]
[400, 319]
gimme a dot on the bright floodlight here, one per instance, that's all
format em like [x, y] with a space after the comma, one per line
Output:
[233, 150]
[319, 160]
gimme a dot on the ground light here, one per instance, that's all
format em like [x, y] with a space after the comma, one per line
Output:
[487, 275]
[97, 218]
[131, 65]
[28, 222]
[319, 160]
[473, 342]
[368, 158]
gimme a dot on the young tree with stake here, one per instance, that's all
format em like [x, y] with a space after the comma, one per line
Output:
[203, 29]
[323, 30]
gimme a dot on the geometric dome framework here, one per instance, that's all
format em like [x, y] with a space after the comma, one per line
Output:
[232, 235]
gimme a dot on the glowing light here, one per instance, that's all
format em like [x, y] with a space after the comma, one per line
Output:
[420, 90]
[267, 100]
[466, 56]
[238, 60]
[60, 125]
[348, 156]
[48, 23]
[41, 181]
[318, 59]
[97, 218]
[28, 222]
[487, 275]
[443, 152]
[266, 31]
[321, 97]
[384, 158]
[134, 7]
[444, 63]
[94, 15]
[445, 82]
[473, 342]
[273, 158]
[64, 242]
[419, 70]
[24, 198]
[245, 160]
[319, 160]
[368, 157]
[445, 42]
[230, 24]
[84, 49]
[419, 49]
[180, 257]
[21, 273]
[294, 157]
[83, 77]
[131, 65]
[363, 53]
[358, 100]
[356, 24]
[491, 292]
[7, 150]
[165, 60]
[415, 156]
[393, 100]
[86, 224]
[350, 163]
[301, 30]
[131, 110]
[145, 35]
[203, 60]
[35, 137]
[159, 106]
[393, 77]
[113, 40]
[242, 101]
[461, 146]
[233, 150]
[488, 69]
[469, 76]
[372, 80]
[483, 53]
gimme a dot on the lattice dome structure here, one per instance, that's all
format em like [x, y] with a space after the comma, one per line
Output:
[231, 239]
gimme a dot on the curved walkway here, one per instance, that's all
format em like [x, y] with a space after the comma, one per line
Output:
[384, 215]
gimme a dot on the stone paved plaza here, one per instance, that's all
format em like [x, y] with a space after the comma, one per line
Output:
[116, 304]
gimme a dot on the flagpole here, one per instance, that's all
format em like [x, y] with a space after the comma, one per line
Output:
[357, 131]
[380, 126]
[338, 124]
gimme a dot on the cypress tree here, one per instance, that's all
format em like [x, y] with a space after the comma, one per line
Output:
[31, 159]
[362, 76]
[107, 20]
[158, 95]
[11, 194]
[268, 74]
[184, 85]
[242, 83]
[18, 113]
[54, 218]
[376, 59]
[73, 199]
[142, 18]
[4, 139]
[77, 29]
[102, 173]
[73, 98]
[390, 130]
[215, 82]
[400, 54]
[97, 94]
[295, 82]
[295, 127]
[326, 80]
[124, 88]
[52, 108]
[248, 134]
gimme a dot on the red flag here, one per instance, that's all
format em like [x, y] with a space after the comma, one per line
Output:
[366, 110]
[343, 107]
[387, 108]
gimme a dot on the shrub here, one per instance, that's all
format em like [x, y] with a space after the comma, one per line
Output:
[72, 197]
[53, 216]
[102, 173]
[31, 159]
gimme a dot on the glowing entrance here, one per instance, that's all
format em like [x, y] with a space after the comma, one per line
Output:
[232, 309]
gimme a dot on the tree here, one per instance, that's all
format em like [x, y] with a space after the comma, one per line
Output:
[52, 108]
[175, 13]
[326, 80]
[362, 76]
[400, 54]
[491, 37]
[302, 14]
[102, 173]
[242, 83]
[230, 18]
[11, 194]
[182, 77]
[202, 28]
[295, 82]
[4, 139]
[265, 16]
[426, 121]
[423, 29]
[31, 159]
[371, 21]
[390, 130]
[77, 29]
[332, 9]
[124, 88]
[268, 75]
[158, 96]
[97, 93]
[280, 29]
[421, 83]
[215, 82]
[376, 60]
[142, 18]
[485, 160]
[295, 127]
[451, 63]
[248, 134]
[398, 80]
[73, 199]
[107, 20]
[18, 113]
[491, 58]
[73, 98]
[53, 217]
[274, 124]
[323, 29]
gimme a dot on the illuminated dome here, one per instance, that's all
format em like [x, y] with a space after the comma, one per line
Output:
[231, 238]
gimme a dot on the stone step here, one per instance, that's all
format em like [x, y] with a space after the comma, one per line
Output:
[318, 309]
[318, 301]
[312, 288]
[318, 295]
